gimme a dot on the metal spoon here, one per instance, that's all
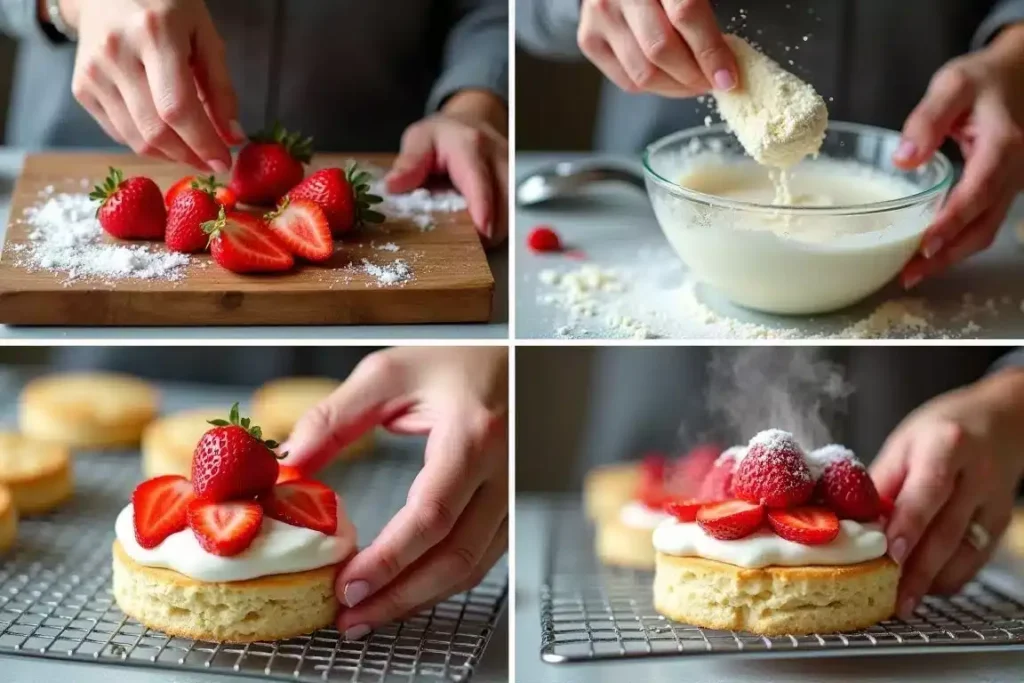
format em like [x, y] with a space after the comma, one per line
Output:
[568, 177]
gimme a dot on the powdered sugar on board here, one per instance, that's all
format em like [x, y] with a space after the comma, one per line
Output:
[64, 237]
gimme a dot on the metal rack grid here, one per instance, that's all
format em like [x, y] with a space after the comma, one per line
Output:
[591, 612]
[56, 602]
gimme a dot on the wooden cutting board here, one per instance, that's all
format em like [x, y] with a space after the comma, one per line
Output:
[451, 280]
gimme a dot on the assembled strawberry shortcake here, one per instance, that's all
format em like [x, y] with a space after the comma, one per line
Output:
[790, 543]
[623, 538]
[247, 550]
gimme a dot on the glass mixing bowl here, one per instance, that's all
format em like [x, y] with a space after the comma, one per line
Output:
[794, 260]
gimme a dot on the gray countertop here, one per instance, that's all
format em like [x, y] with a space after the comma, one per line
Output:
[533, 515]
[498, 328]
[613, 226]
[492, 667]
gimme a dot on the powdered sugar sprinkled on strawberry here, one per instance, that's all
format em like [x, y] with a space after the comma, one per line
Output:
[773, 472]
[819, 460]
[846, 488]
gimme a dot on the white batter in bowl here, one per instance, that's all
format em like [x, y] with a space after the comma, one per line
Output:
[853, 221]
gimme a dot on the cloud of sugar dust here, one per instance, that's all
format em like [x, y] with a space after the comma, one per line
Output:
[792, 388]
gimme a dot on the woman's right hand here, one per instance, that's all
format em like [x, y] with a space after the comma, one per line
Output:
[672, 48]
[153, 75]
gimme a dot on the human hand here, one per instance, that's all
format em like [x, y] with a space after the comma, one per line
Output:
[672, 48]
[467, 141]
[976, 100]
[954, 461]
[454, 525]
[152, 73]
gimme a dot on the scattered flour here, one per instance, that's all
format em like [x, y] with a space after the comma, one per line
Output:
[65, 237]
[390, 246]
[419, 206]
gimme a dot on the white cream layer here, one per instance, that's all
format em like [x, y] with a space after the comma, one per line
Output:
[855, 543]
[278, 549]
[638, 516]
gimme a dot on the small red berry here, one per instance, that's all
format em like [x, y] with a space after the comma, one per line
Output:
[544, 239]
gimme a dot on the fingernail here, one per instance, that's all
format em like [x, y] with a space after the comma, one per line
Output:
[912, 281]
[906, 609]
[357, 632]
[356, 592]
[724, 80]
[898, 550]
[217, 165]
[932, 246]
[906, 151]
[237, 131]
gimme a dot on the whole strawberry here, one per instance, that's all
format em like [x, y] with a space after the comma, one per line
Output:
[343, 195]
[717, 484]
[131, 209]
[232, 461]
[845, 487]
[774, 472]
[189, 209]
[269, 166]
[221, 193]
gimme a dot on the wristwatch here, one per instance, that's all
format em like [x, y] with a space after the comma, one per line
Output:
[56, 20]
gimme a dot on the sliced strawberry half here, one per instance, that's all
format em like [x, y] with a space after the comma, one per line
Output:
[305, 503]
[809, 525]
[683, 509]
[287, 473]
[846, 487]
[302, 226]
[730, 520]
[160, 508]
[242, 243]
[225, 529]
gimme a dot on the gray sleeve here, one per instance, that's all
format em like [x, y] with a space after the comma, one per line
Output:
[18, 18]
[1013, 358]
[1004, 13]
[476, 52]
[547, 28]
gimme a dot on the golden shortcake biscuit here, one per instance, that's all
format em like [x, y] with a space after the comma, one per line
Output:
[8, 520]
[87, 410]
[272, 607]
[278, 405]
[775, 600]
[37, 473]
[169, 442]
[608, 488]
[622, 545]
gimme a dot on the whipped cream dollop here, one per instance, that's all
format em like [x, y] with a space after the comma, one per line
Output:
[855, 543]
[638, 516]
[278, 549]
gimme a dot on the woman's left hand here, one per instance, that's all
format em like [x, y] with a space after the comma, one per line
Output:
[978, 101]
[467, 141]
[953, 463]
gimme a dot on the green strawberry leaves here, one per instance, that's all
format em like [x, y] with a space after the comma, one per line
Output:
[359, 180]
[234, 419]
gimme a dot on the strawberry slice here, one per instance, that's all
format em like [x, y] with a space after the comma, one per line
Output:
[160, 508]
[846, 488]
[287, 473]
[302, 226]
[730, 520]
[225, 529]
[683, 509]
[305, 503]
[808, 525]
[243, 243]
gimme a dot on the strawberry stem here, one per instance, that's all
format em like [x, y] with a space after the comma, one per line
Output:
[108, 187]
[235, 420]
[300, 148]
[359, 180]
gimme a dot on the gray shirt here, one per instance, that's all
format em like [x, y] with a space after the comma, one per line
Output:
[351, 73]
[873, 59]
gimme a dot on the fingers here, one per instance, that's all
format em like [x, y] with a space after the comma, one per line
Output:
[215, 88]
[696, 23]
[949, 96]
[967, 561]
[437, 499]
[889, 470]
[179, 108]
[925, 489]
[415, 159]
[660, 43]
[499, 166]
[370, 396]
[437, 574]
[937, 546]
[467, 164]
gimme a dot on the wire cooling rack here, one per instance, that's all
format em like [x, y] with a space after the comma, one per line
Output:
[56, 602]
[590, 612]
